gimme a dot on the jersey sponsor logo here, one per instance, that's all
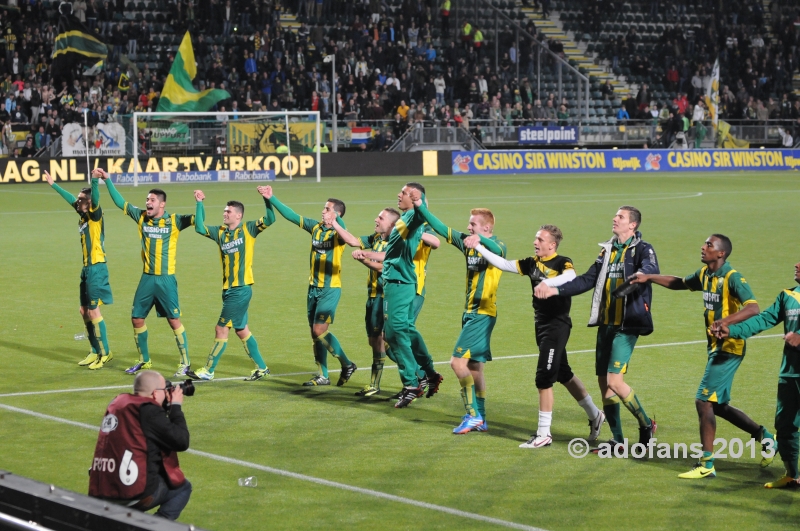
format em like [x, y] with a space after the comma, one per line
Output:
[322, 246]
[616, 270]
[155, 232]
[110, 423]
[476, 263]
[231, 247]
[710, 299]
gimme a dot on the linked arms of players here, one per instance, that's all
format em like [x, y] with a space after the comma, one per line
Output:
[512, 266]
[283, 210]
[118, 200]
[200, 214]
[332, 219]
[371, 259]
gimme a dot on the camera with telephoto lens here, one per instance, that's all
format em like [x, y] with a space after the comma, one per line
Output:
[187, 387]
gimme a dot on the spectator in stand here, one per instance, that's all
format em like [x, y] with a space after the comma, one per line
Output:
[622, 115]
[439, 86]
[29, 150]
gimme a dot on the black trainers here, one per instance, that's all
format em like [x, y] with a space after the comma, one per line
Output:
[346, 373]
[397, 395]
[408, 395]
[645, 434]
[433, 383]
[611, 443]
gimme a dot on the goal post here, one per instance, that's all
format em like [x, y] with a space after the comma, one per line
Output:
[226, 145]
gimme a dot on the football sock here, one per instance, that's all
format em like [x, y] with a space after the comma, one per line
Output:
[480, 403]
[104, 336]
[321, 357]
[791, 469]
[251, 347]
[93, 334]
[98, 334]
[707, 460]
[611, 409]
[545, 419]
[588, 406]
[183, 344]
[140, 338]
[377, 369]
[764, 433]
[635, 407]
[216, 353]
[468, 394]
[330, 342]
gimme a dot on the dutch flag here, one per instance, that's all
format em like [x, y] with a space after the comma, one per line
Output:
[360, 135]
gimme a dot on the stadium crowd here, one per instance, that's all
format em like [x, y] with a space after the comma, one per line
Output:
[402, 63]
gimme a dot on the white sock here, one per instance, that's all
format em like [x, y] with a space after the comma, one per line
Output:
[588, 406]
[545, 419]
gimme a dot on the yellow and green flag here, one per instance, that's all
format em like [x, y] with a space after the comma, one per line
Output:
[74, 45]
[178, 94]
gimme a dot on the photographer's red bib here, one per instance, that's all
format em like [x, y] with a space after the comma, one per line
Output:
[119, 468]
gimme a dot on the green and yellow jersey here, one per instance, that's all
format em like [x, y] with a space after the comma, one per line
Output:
[421, 261]
[374, 242]
[91, 226]
[483, 278]
[325, 260]
[785, 309]
[613, 308]
[402, 246]
[725, 291]
[159, 235]
[236, 246]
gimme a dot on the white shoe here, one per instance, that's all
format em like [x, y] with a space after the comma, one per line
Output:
[537, 441]
[595, 426]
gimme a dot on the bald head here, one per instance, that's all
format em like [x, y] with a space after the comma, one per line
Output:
[146, 382]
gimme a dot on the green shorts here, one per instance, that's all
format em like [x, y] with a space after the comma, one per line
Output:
[235, 302]
[718, 378]
[95, 289]
[476, 335]
[374, 316]
[322, 304]
[160, 291]
[614, 350]
[419, 300]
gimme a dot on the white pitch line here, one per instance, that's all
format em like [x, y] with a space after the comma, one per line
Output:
[309, 479]
[514, 357]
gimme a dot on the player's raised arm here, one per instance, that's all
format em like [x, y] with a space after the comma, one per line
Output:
[285, 211]
[116, 197]
[332, 218]
[68, 197]
[95, 194]
[269, 217]
[200, 214]
[452, 236]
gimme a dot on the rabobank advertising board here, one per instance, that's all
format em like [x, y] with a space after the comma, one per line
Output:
[632, 160]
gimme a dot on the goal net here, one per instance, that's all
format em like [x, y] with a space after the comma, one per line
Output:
[226, 146]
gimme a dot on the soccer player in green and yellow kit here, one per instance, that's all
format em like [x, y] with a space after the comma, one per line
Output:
[374, 243]
[473, 346]
[236, 241]
[399, 294]
[159, 232]
[94, 289]
[786, 309]
[728, 299]
[324, 286]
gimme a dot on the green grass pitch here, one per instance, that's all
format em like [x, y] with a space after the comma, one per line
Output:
[329, 434]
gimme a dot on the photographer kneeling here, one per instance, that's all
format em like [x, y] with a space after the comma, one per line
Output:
[135, 460]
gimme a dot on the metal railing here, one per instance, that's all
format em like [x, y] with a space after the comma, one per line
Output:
[418, 137]
[565, 73]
